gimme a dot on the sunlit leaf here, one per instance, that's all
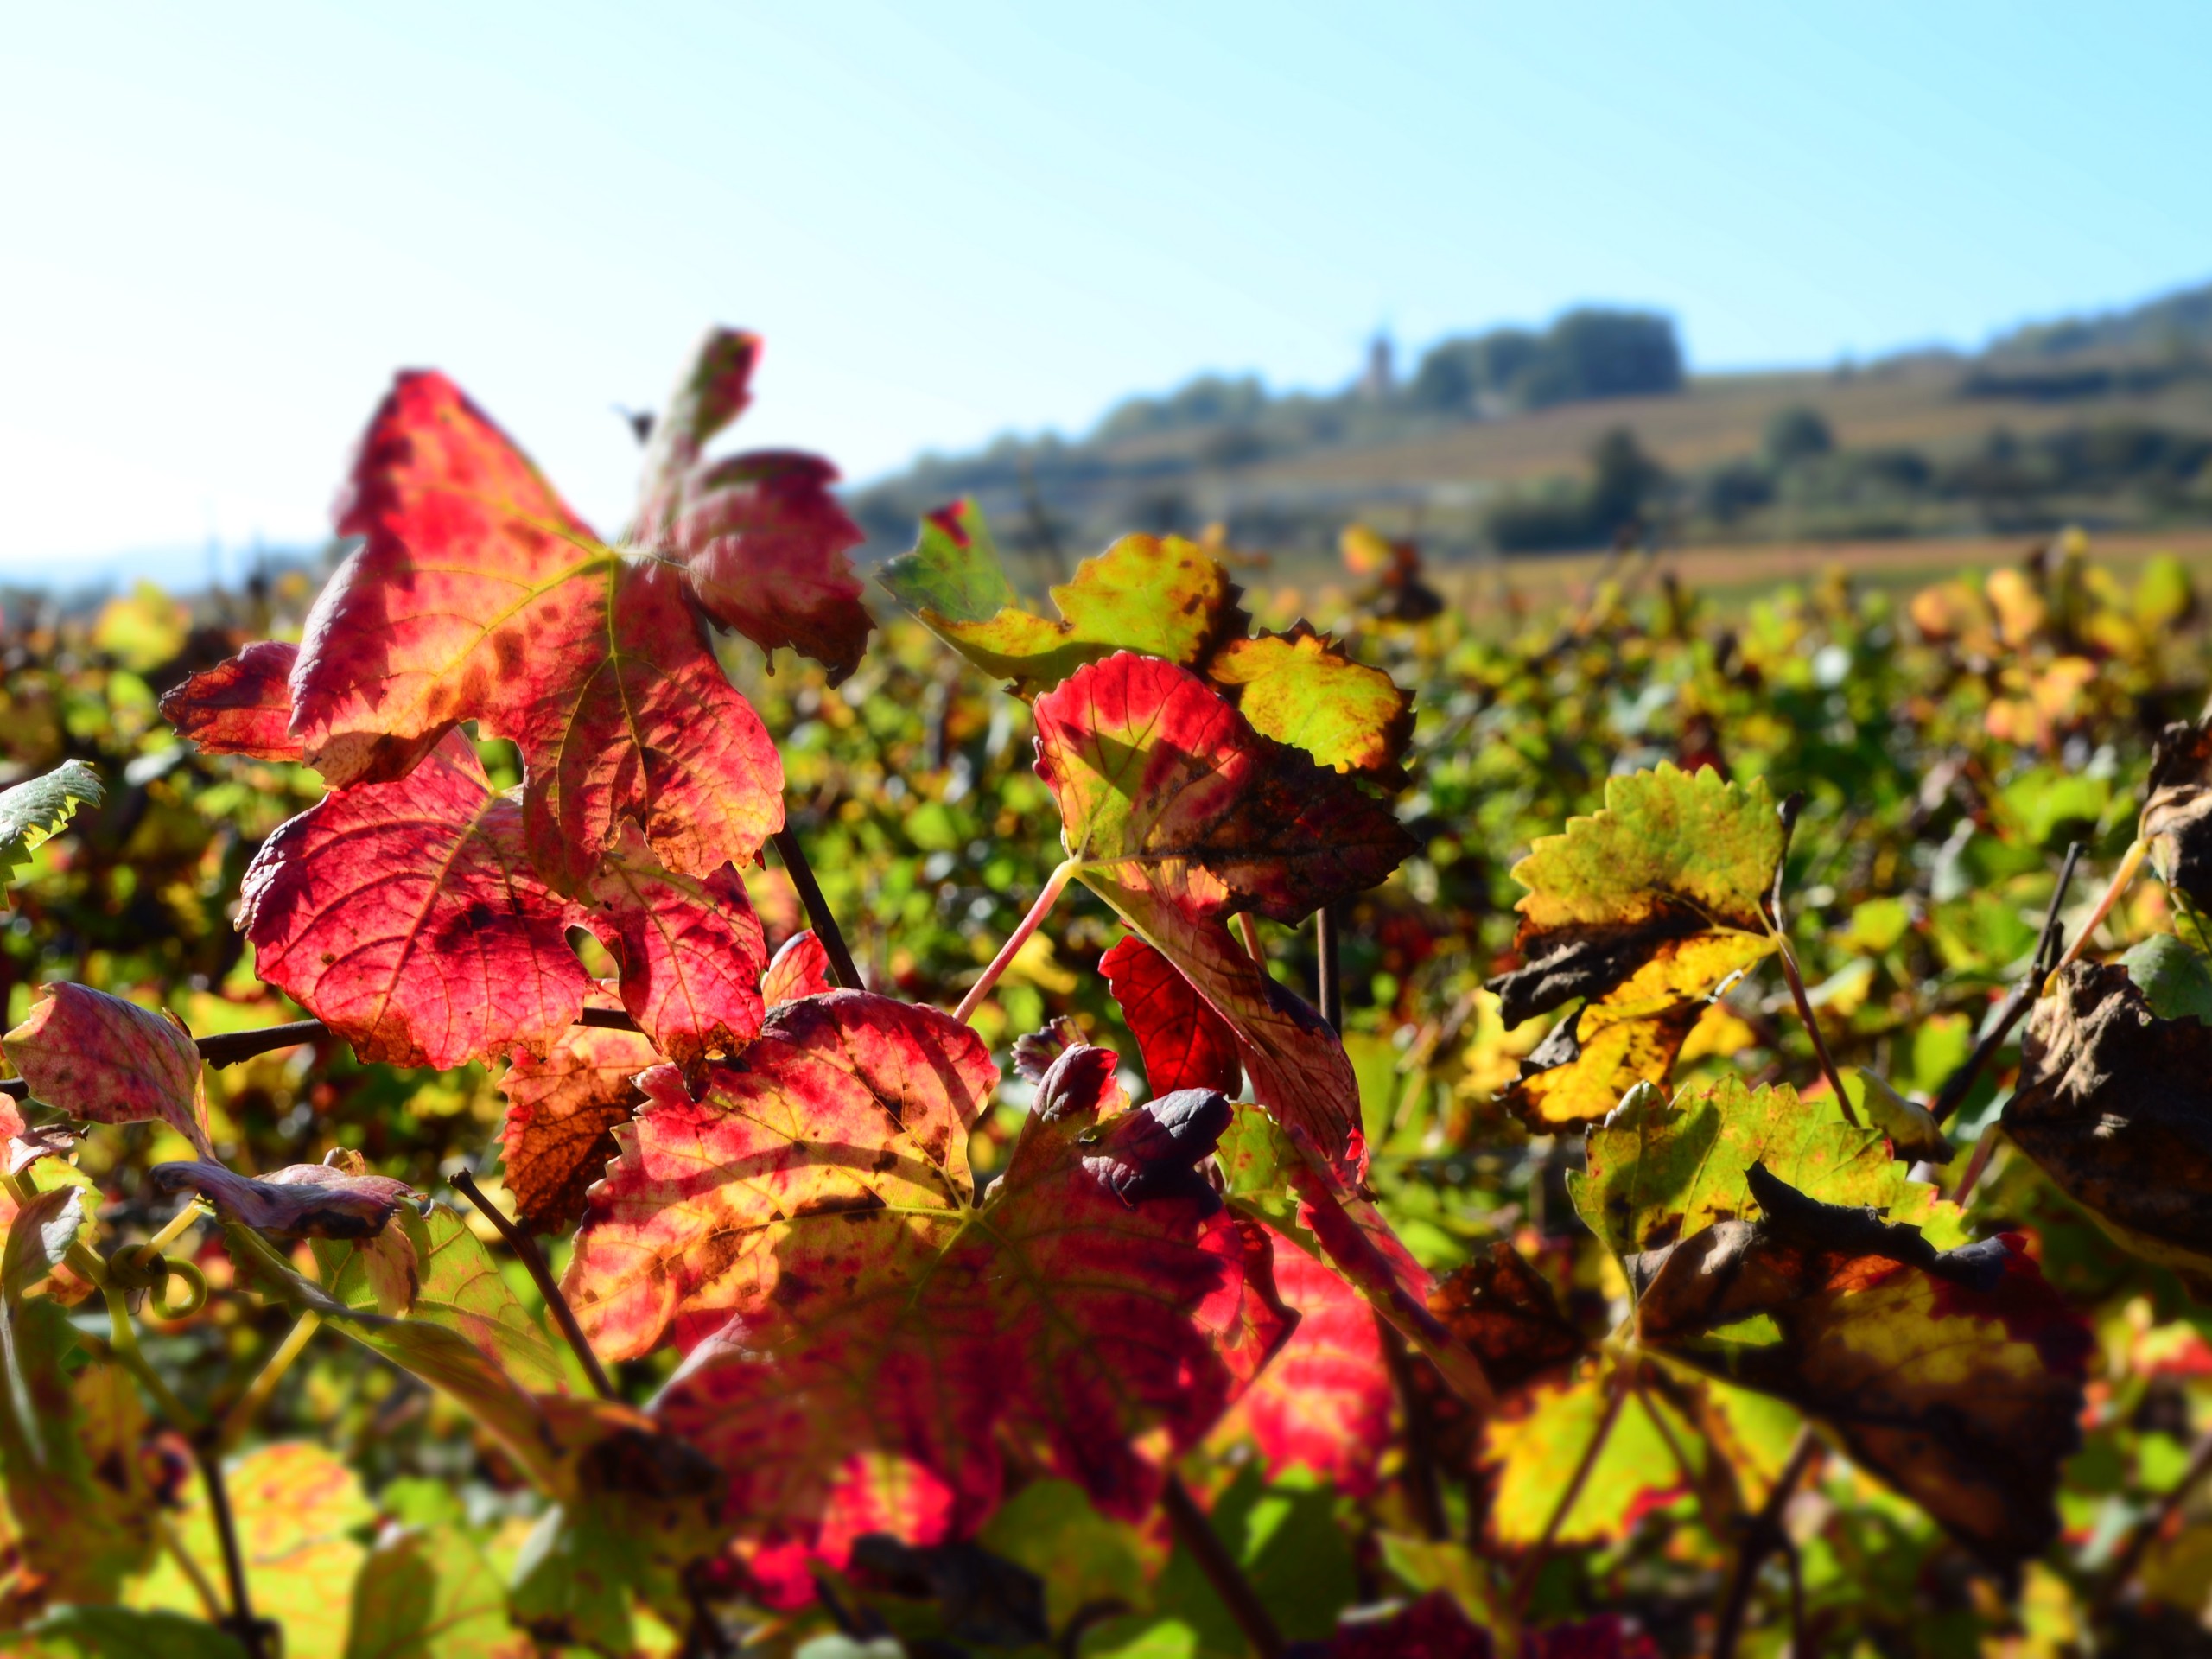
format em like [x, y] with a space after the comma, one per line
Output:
[99, 1057]
[32, 811]
[1535, 1442]
[1163, 596]
[1186, 1044]
[562, 1111]
[799, 968]
[243, 706]
[428, 1595]
[1300, 688]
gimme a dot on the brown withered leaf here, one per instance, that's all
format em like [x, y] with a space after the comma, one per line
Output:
[1953, 1375]
[1503, 1309]
[2177, 809]
[2116, 1105]
[299, 1201]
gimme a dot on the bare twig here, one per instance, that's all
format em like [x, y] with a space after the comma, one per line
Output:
[240, 1416]
[1763, 1536]
[1780, 928]
[1329, 970]
[2041, 966]
[249, 1630]
[817, 908]
[526, 1251]
[1195, 1532]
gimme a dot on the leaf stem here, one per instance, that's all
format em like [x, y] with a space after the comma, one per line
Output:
[1777, 928]
[242, 1623]
[1959, 1084]
[123, 1341]
[1328, 971]
[1617, 1393]
[1055, 885]
[202, 1585]
[240, 1416]
[817, 908]
[1250, 930]
[525, 1249]
[1194, 1531]
[2131, 862]
[1762, 1535]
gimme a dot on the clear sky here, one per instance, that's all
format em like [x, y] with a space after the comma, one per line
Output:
[224, 225]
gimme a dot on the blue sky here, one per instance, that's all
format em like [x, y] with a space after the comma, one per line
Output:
[225, 226]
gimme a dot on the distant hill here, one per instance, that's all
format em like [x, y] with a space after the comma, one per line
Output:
[1561, 437]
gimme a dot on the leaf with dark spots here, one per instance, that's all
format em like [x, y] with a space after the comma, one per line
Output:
[1180, 815]
[243, 706]
[101, 1059]
[407, 917]
[1300, 688]
[686, 1227]
[1186, 1044]
[562, 1110]
[1506, 1312]
[2176, 816]
[1087, 1334]
[299, 1201]
[1164, 596]
[1956, 1376]
[1642, 909]
[479, 595]
[2116, 1105]
[799, 968]
[690, 949]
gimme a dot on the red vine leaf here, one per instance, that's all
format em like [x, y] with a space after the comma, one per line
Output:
[240, 707]
[479, 595]
[407, 918]
[762, 538]
[690, 952]
[846, 1102]
[562, 1111]
[99, 1057]
[1181, 815]
[1956, 1376]
[1186, 1044]
[1099, 1313]
[1324, 1402]
[799, 968]
[299, 1201]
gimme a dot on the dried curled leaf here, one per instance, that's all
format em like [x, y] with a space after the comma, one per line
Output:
[1956, 1376]
[32, 811]
[2177, 817]
[1640, 909]
[1166, 597]
[2116, 1105]
[1299, 688]
[101, 1059]
[761, 538]
[1099, 1313]
[846, 1103]
[1505, 1311]
[562, 1110]
[299, 1201]
[479, 595]
[1186, 1044]
[1180, 815]
[407, 917]
[243, 706]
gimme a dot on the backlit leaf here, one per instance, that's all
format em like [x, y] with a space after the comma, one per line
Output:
[1954, 1376]
[1163, 596]
[562, 1111]
[2177, 817]
[692, 1221]
[99, 1057]
[761, 536]
[33, 810]
[299, 1201]
[1324, 1402]
[1505, 1310]
[98, 1632]
[690, 952]
[428, 1595]
[1186, 1044]
[799, 968]
[2116, 1104]
[1300, 688]
[1100, 1311]
[479, 595]
[1181, 815]
[407, 917]
[243, 706]
[1534, 1442]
